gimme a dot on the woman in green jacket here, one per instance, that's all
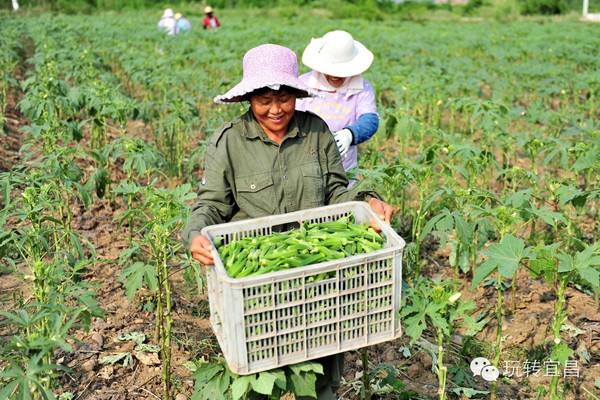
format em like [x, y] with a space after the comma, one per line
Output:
[272, 160]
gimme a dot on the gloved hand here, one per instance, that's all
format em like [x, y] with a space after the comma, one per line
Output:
[343, 139]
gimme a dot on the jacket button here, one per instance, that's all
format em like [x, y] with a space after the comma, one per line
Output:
[253, 186]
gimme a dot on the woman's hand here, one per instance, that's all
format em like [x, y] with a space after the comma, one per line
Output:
[201, 249]
[383, 210]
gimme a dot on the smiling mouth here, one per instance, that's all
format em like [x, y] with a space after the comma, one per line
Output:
[277, 119]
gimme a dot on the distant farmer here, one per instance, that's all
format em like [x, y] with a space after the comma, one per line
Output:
[210, 21]
[167, 22]
[346, 100]
[183, 24]
[271, 160]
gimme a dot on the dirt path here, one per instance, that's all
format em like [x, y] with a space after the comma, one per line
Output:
[12, 137]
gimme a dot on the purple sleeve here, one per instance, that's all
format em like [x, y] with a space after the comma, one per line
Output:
[302, 103]
[366, 101]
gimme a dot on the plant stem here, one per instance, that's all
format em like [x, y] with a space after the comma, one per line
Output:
[513, 293]
[416, 233]
[442, 370]
[557, 322]
[365, 376]
[498, 344]
[159, 306]
[167, 331]
[130, 217]
[473, 253]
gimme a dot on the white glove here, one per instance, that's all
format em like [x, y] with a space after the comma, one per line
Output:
[343, 139]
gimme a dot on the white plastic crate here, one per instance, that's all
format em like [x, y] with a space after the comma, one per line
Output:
[280, 318]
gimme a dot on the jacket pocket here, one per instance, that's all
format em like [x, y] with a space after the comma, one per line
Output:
[255, 194]
[313, 184]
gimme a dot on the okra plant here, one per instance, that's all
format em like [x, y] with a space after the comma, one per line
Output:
[165, 212]
[435, 304]
[53, 257]
[503, 258]
[559, 268]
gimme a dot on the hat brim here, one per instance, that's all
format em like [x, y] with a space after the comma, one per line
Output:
[359, 63]
[240, 92]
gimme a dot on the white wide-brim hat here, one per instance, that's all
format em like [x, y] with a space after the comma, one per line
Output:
[337, 54]
[208, 9]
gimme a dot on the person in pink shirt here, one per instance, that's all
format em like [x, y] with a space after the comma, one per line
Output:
[210, 21]
[346, 101]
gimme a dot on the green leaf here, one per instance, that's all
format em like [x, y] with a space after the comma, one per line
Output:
[307, 366]
[561, 353]
[66, 396]
[507, 255]
[148, 348]
[565, 263]
[482, 272]
[591, 276]
[137, 337]
[543, 261]
[566, 194]
[585, 262]
[7, 391]
[206, 371]
[240, 386]
[115, 358]
[464, 230]
[586, 257]
[405, 351]
[265, 382]
[430, 225]
[548, 216]
[212, 390]
[190, 366]
[519, 199]
[280, 381]
[473, 326]
[224, 381]
[304, 384]
[587, 160]
[415, 326]
[437, 317]
[468, 392]
[136, 275]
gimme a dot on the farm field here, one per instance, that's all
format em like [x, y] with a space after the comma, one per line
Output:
[489, 145]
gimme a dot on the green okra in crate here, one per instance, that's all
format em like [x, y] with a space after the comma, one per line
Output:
[312, 243]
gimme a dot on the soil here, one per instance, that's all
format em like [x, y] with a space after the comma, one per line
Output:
[11, 137]
[526, 331]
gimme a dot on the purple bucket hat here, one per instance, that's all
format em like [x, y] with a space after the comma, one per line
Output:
[268, 65]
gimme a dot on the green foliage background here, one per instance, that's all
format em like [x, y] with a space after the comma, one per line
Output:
[365, 9]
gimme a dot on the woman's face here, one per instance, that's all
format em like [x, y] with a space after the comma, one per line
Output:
[335, 81]
[273, 110]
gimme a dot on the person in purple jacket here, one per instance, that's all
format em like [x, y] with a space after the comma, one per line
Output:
[346, 101]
